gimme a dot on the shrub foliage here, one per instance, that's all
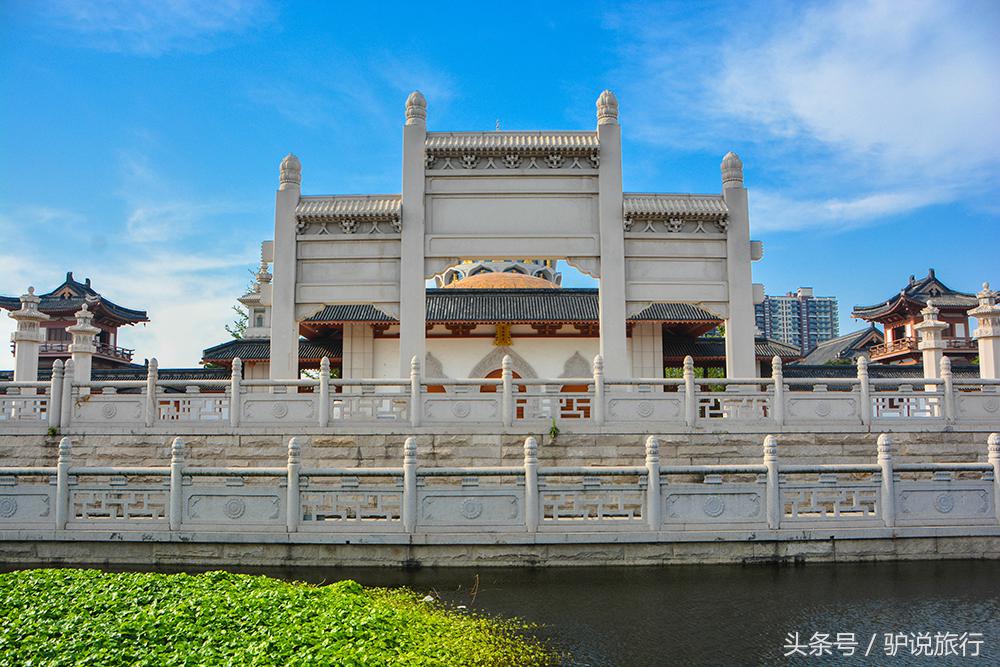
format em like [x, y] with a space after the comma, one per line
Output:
[89, 617]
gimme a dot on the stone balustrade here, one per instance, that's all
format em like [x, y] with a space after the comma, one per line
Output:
[687, 404]
[651, 501]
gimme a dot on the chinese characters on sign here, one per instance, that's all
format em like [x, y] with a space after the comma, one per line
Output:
[891, 644]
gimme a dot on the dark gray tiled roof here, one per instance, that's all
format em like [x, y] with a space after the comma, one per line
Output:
[875, 371]
[715, 348]
[82, 293]
[351, 313]
[842, 347]
[514, 305]
[260, 348]
[919, 291]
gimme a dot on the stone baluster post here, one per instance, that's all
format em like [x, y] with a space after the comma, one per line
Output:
[864, 392]
[152, 375]
[177, 454]
[531, 484]
[27, 339]
[293, 503]
[987, 334]
[507, 403]
[67, 399]
[773, 491]
[993, 456]
[324, 392]
[235, 391]
[410, 484]
[414, 392]
[948, 388]
[597, 410]
[653, 518]
[885, 448]
[83, 348]
[690, 393]
[777, 374]
[55, 394]
[62, 483]
[932, 345]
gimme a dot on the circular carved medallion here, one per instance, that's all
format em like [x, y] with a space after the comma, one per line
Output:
[714, 506]
[8, 506]
[461, 409]
[280, 410]
[472, 509]
[234, 508]
[823, 408]
[644, 408]
[109, 410]
[992, 405]
[944, 503]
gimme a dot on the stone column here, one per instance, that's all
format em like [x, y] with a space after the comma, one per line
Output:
[284, 327]
[27, 338]
[987, 334]
[412, 294]
[82, 348]
[611, 221]
[740, 325]
[931, 342]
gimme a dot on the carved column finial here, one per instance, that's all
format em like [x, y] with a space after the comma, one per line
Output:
[607, 108]
[416, 108]
[732, 171]
[291, 173]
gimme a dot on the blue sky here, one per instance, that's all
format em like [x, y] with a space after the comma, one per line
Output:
[139, 142]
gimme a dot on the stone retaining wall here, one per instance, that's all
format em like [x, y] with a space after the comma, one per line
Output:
[346, 450]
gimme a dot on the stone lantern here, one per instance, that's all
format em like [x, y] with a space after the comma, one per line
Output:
[987, 334]
[932, 344]
[82, 348]
[27, 337]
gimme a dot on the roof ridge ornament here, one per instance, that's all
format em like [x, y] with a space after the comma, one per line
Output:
[607, 108]
[416, 108]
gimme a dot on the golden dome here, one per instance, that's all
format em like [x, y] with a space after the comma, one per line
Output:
[495, 280]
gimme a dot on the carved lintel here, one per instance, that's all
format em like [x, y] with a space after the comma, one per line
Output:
[591, 329]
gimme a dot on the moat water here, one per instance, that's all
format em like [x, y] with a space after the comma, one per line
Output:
[726, 615]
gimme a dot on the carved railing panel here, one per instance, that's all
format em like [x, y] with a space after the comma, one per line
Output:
[118, 503]
[737, 405]
[25, 504]
[944, 501]
[27, 408]
[292, 408]
[370, 408]
[713, 505]
[184, 408]
[833, 501]
[592, 502]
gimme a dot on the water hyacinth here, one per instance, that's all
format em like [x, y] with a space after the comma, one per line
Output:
[71, 616]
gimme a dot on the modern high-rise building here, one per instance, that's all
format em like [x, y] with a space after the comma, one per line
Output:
[799, 318]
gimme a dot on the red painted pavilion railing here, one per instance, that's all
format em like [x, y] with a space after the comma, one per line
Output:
[910, 345]
[103, 350]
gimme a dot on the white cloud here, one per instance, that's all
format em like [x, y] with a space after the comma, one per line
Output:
[188, 294]
[855, 111]
[771, 211]
[155, 27]
[912, 88]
